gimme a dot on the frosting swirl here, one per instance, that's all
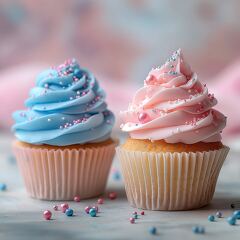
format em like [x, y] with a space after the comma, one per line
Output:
[174, 106]
[65, 107]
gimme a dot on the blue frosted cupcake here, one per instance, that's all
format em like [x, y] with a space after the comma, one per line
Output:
[64, 146]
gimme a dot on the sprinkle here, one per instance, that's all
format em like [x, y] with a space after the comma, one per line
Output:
[142, 213]
[153, 230]
[3, 187]
[236, 214]
[93, 212]
[218, 214]
[64, 207]
[69, 212]
[46, 85]
[211, 218]
[198, 230]
[76, 199]
[112, 195]
[100, 201]
[143, 118]
[49, 120]
[47, 215]
[231, 220]
[87, 209]
[55, 208]
[131, 220]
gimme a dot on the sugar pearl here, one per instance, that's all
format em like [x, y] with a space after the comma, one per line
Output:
[93, 212]
[100, 201]
[64, 207]
[76, 199]
[55, 208]
[143, 118]
[87, 209]
[132, 220]
[47, 215]
[69, 212]
[112, 195]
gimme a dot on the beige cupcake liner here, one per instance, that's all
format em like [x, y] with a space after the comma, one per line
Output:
[170, 181]
[63, 174]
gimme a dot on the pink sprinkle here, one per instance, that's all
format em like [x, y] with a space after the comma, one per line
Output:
[64, 207]
[143, 118]
[100, 201]
[132, 220]
[87, 209]
[112, 195]
[134, 213]
[47, 215]
[76, 199]
[55, 208]
[142, 213]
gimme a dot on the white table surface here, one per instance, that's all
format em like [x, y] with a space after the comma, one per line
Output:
[21, 216]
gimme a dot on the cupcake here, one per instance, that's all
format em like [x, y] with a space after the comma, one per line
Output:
[174, 154]
[63, 145]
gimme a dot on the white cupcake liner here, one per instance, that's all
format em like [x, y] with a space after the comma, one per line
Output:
[61, 174]
[170, 181]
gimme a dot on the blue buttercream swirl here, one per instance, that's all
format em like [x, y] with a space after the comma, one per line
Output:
[66, 107]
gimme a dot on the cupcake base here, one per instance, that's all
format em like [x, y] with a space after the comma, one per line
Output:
[61, 173]
[170, 180]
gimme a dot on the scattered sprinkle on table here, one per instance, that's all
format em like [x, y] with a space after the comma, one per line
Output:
[100, 201]
[69, 212]
[236, 214]
[112, 195]
[131, 220]
[76, 199]
[153, 230]
[142, 213]
[55, 207]
[64, 207]
[87, 209]
[93, 212]
[231, 220]
[198, 230]
[211, 218]
[47, 215]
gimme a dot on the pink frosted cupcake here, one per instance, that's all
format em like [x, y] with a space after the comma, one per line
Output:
[64, 146]
[174, 154]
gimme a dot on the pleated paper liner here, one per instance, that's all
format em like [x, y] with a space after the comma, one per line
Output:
[170, 181]
[52, 174]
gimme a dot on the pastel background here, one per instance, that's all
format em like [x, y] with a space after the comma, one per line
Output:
[120, 41]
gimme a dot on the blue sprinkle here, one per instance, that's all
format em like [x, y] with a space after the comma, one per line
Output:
[69, 212]
[93, 212]
[3, 187]
[198, 229]
[236, 214]
[153, 230]
[211, 218]
[201, 230]
[231, 220]
[195, 229]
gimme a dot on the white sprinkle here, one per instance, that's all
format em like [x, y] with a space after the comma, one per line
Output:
[49, 120]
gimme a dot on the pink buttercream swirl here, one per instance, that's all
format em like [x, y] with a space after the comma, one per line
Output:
[174, 106]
